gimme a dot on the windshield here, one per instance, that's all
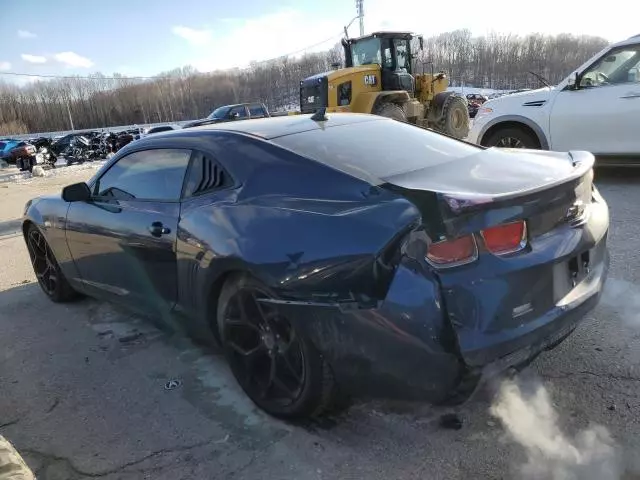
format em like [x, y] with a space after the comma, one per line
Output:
[220, 112]
[616, 67]
[366, 52]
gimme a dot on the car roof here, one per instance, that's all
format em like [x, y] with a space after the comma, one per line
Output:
[273, 127]
[629, 41]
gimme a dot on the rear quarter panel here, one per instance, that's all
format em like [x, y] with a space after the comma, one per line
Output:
[303, 229]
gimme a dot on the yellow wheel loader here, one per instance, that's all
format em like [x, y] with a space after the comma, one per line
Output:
[378, 79]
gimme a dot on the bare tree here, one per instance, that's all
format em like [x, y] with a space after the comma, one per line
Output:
[492, 61]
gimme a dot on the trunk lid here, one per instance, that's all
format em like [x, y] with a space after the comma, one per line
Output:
[495, 186]
[496, 303]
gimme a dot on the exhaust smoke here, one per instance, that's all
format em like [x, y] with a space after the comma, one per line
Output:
[624, 298]
[528, 415]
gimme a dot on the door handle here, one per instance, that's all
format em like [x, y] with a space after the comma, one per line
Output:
[157, 229]
[631, 95]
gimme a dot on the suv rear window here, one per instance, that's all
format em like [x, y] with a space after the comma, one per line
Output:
[376, 150]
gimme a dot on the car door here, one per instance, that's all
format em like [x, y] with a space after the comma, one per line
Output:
[238, 113]
[123, 240]
[257, 111]
[602, 115]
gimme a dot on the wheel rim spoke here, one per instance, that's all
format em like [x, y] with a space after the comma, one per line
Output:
[283, 387]
[251, 352]
[233, 322]
[264, 391]
[42, 261]
[296, 375]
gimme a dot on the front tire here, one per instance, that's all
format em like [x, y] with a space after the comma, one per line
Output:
[511, 137]
[50, 277]
[391, 110]
[274, 363]
[455, 117]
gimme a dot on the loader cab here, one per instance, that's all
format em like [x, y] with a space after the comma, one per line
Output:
[390, 50]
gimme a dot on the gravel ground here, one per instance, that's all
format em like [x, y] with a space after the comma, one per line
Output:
[83, 391]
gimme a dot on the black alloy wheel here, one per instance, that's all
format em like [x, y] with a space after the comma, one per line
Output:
[45, 266]
[275, 365]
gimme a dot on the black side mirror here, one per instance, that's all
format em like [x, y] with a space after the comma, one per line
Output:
[77, 192]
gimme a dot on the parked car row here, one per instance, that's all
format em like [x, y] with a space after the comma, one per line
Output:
[79, 147]
[75, 147]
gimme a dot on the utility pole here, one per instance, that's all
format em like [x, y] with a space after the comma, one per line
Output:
[360, 9]
[69, 113]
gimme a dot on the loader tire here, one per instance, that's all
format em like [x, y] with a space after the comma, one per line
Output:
[455, 117]
[12, 466]
[391, 110]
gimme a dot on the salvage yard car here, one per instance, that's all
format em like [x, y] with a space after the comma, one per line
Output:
[596, 108]
[229, 113]
[343, 254]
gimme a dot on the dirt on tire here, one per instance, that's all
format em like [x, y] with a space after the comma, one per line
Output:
[455, 117]
[391, 110]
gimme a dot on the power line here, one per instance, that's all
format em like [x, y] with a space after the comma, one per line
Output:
[20, 74]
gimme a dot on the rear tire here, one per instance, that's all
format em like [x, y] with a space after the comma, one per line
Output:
[511, 137]
[279, 369]
[391, 110]
[455, 117]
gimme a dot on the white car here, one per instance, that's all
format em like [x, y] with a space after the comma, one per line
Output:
[596, 108]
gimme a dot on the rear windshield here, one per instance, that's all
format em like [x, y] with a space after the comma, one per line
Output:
[376, 150]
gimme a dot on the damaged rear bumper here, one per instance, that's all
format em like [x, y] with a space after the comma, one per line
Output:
[410, 346]
[556, 325]
[566, 318]
[405, 349]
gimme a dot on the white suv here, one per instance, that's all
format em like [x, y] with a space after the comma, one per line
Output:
[596, 108]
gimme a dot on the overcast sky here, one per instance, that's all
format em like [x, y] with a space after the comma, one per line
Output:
[140, 37]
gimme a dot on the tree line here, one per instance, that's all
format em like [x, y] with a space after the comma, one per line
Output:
[494, 61]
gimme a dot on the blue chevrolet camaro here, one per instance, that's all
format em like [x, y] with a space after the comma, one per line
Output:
[349, 253]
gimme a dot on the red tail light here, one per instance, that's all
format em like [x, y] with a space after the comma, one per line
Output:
[506, 238]
[451, 253]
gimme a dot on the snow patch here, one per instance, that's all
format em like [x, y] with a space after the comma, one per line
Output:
[27, 177]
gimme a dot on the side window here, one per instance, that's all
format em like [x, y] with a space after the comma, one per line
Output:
[402, 48]
[146, 175]
[615, 67]
[205, 175]
[344, 93]
[256, 111]
[387, 58]
[241, 111]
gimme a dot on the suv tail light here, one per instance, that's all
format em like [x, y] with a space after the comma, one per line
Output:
[506, 238]
[451, 253]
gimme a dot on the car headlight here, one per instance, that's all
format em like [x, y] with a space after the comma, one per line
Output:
[483, 111]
